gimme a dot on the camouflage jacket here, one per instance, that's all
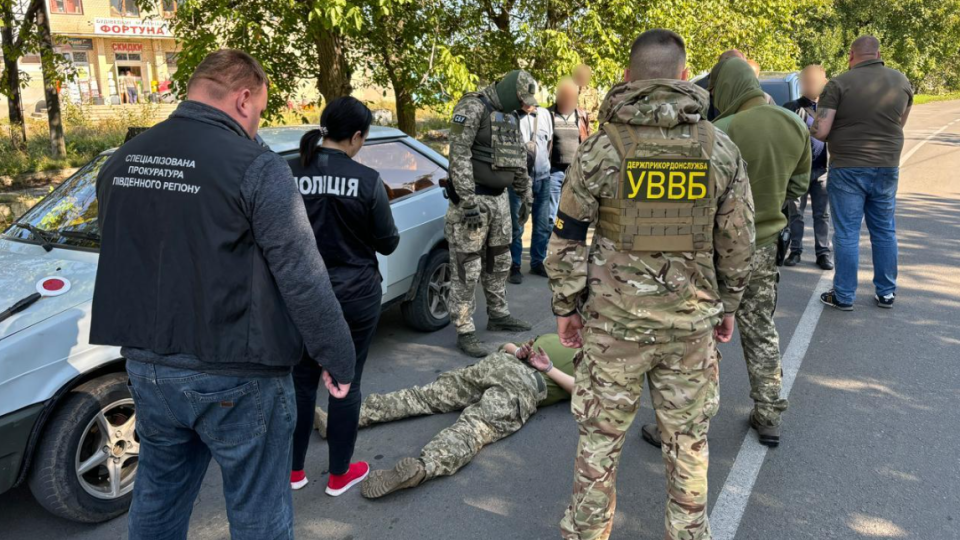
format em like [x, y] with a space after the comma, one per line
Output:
[589, 101]
[462, 135]
[651, 296]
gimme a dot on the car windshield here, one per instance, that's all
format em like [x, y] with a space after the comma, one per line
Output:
[778, 89]
[67, 216]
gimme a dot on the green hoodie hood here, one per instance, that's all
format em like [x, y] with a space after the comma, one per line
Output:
[733, 83]
[656, 102]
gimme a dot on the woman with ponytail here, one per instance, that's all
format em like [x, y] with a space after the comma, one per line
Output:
[349, 209]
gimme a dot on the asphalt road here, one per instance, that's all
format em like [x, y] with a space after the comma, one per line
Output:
[870, 446]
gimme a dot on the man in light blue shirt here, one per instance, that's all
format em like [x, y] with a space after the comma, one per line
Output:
[536, 129]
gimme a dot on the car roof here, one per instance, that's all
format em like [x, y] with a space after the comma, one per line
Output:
[284, 139]
[779, 75]
[287, 138]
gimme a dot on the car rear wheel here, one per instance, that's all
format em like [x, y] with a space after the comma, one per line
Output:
[86, 462]
[428, 311]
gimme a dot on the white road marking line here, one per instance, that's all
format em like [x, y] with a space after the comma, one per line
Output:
[913, 150]
[735, 495]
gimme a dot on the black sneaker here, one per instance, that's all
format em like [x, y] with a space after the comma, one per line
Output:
[792, 259]
[830, 298]
[539, 270]
[886, 301]
[515, 276]
[824, 262]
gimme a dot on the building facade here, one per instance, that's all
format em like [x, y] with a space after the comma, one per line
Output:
[118, 54]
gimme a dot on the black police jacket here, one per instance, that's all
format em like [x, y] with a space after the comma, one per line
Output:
[349, 210]
[180, 270]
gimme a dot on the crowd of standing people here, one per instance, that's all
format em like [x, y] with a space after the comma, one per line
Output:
[232, 303]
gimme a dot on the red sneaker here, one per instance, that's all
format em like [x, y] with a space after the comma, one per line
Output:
[298, 479]
[340, 483]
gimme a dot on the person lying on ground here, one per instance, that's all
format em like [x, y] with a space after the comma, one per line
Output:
[497, 396]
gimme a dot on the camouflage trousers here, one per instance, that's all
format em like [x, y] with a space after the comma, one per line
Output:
[481, 255]
[497, 396]
[758, 334]
[684, 383]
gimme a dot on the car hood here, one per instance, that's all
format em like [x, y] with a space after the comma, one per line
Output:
[23, 265]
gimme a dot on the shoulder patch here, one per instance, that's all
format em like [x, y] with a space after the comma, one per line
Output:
[459, 119]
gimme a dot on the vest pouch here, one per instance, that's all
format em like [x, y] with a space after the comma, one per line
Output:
[508, 150]
[665, 201]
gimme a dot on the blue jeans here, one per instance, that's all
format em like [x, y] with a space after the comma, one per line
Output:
[541, 224]
[556, 186]
[855, 193]
[184, 418]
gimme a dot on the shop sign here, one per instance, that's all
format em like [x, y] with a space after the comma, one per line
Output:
[128, 47]
[130, 27]
[79, 44]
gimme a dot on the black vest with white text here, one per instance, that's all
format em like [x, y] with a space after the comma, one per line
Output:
[180, 271]
[338, 193]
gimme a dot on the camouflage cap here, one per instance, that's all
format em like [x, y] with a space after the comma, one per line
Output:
[516, 89]
[527, 88]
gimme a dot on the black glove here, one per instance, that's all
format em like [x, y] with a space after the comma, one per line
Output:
[472, 217]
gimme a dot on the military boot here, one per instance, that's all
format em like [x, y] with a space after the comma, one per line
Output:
[651, 434]
[769, 435]
[471, 346]
[320, 422]
[408, 473]
[508, 323]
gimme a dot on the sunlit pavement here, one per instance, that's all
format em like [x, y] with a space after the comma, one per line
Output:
[870, 443]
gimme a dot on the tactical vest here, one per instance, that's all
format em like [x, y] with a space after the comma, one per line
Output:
[498, 148]
[666, 217]
[180, 271]
[566, 138]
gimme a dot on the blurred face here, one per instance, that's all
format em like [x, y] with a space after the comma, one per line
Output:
[567, 98]
[529, 108]
[812, 81]
[582, 75]
[249, 107]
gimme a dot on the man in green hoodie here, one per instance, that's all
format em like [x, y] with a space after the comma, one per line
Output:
[776, 147]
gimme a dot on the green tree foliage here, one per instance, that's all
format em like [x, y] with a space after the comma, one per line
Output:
[431, 51]
[919, 37]
[399, 43]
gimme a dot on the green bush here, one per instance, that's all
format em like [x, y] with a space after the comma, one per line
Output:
[920, 99]
[85, 139]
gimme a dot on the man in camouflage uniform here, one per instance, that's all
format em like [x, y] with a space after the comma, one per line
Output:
[589, 97]
[662, 280]
[497, 396]
[486, 157]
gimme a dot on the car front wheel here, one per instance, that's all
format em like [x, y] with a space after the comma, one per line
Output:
[428, 311]
[86, 462]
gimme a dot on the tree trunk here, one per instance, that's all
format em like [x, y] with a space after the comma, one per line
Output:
[334, 70]
[11, 82]
[58, 147]
[406, 111]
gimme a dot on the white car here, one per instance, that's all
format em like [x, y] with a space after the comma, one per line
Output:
[66, 416]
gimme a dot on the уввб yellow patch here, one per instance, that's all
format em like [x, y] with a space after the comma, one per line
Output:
[665, 180]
